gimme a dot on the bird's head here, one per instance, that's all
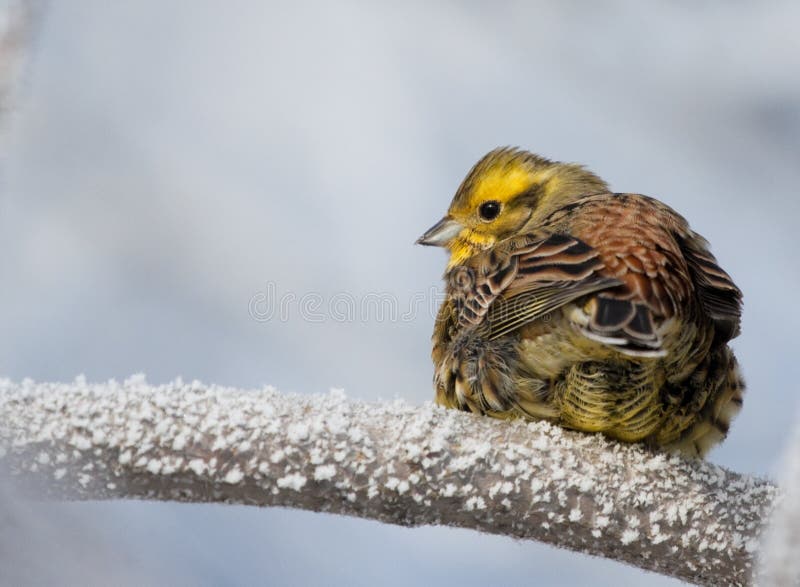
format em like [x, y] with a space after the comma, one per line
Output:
[507, 190]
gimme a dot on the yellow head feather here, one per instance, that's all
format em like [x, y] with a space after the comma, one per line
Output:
[527, 188]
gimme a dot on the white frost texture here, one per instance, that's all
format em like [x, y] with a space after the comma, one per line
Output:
[392, 462]
[780, 557]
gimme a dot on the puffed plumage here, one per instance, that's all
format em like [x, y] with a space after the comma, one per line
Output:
[601, 312]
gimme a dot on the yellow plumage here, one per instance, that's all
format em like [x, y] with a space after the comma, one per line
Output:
[598, 311]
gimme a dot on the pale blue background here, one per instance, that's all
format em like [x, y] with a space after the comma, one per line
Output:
[165, 161]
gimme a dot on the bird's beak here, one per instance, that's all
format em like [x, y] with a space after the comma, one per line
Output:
[442, 233]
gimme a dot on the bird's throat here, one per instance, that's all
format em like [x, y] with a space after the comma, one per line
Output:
[466, 245]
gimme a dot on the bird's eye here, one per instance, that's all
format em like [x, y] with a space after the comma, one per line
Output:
[489, 210]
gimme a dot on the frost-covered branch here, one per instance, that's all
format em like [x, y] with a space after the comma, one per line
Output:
[392, 462]
[780, 563]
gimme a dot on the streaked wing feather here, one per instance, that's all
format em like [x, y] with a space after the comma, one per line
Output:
[539, 275]
[509, 314]
[720, 297]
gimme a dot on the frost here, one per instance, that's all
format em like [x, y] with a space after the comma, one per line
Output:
[233, 476]
[298, 432]
[324, 473]
[629, 535]
[475, 503]
[779, 563]
[294, 481]
[137, 379]
[601, 521]
[81, 442]
[180, 442]
[197, 466]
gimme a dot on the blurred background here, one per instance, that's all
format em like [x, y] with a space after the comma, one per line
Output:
[166, 166]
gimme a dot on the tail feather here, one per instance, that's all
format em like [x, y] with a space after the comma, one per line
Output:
[725, 387]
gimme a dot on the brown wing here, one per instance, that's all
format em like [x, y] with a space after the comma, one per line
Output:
[523, 280]
[549, 274]
[633, 260]
[666, 270]
[719, 296]
[662, 261]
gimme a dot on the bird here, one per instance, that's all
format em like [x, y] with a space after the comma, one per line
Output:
[598, 311]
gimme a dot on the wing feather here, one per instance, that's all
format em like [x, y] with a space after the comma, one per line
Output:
[535, 276]
[644, 266]
[718, 294]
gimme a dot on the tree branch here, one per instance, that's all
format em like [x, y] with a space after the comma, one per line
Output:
[392, 462]
[779, 563]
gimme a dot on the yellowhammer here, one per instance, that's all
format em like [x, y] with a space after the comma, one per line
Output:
[599, 311]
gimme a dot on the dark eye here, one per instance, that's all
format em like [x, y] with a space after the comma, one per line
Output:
[489, 210]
